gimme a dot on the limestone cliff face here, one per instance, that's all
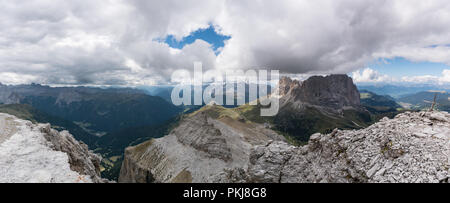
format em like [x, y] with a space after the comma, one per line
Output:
[201, 149]
[412, 147]
[286, 84]
[319, 104]
[333, 92]
[37, 153]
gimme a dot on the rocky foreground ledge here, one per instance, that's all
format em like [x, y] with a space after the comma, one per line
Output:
[37, 153]
[411, 148]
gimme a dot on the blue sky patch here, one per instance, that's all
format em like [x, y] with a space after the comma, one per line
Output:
[399, 67]
[209, 35]
[438, 45]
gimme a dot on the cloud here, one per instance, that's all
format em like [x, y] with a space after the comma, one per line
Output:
[369, 75]
[331, 36]
[420, 79]
[445, 76]
[436, 54]
[16, 79]
[429, 79]
[94, 42]
[112, 42]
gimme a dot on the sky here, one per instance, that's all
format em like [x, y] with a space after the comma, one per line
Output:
[399, 67]
[209, 35]
[402, 71]
[135, 43]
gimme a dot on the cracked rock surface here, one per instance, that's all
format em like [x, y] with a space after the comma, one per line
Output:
[200, 149]
[411, 148]
[37, 153]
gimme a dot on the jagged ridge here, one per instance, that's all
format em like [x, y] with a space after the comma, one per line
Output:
[412, 147]
[200, 149]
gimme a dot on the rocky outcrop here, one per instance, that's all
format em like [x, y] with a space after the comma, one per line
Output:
[286, 84]
[37, 153]
[319, 104]
[412, 147]
[201, 149]
[203, 136]
[81, 159]
[333, 92]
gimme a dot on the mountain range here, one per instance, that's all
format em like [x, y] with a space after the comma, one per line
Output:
[218, 144]
[397, 91]
[110, 120]
[97, 111]
[424, 100]
[107, 120]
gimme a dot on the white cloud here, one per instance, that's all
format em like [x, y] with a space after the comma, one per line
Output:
[445, 76]
[369, 75]
[430, 79]
[16, 79]
[331, 36]
[97, 42]
[112, 42]
[419, 79]
[436, 54]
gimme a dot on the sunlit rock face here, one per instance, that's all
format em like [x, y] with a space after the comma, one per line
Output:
[36, 153]
[412, 147]
[203, 148]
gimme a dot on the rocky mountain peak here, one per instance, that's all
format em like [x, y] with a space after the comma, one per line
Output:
[286, 84]
[333, 91]
[203, 136]
[13, 98]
